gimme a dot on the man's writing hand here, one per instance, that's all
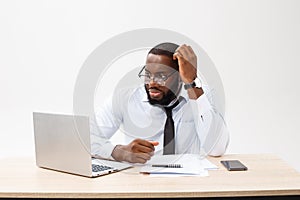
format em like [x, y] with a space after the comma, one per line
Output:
[137, 151]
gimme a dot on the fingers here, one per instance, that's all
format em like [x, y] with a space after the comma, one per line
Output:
[184, 52]
[141, 146]
[141, 150]
[187, 61]
[137, 151]
[177, 55]
[136, 157]
[141, 157]
[154, 143]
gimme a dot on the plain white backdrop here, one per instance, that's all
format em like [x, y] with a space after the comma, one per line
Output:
[254, 45]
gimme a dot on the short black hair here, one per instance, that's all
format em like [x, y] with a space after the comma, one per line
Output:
[167, 49]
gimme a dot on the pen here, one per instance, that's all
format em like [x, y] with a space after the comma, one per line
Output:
[168, 165]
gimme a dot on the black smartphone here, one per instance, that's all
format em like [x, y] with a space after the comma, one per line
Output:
[234, 165]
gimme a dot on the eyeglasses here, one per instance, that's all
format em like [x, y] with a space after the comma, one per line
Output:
[159, 78]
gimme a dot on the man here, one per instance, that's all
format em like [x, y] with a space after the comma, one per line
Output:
[170, 114]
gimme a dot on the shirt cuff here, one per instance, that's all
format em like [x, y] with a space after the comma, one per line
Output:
[106, 150]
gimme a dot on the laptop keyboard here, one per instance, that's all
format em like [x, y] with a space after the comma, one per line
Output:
[99, 168]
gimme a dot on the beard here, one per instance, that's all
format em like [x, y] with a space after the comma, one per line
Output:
[167, 97]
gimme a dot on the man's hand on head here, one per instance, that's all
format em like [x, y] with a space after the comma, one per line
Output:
[187, 61]
[137, 151]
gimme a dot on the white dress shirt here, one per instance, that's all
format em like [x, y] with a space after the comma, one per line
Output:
[199, 128]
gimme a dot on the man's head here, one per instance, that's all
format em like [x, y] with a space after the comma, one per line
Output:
[164, 83]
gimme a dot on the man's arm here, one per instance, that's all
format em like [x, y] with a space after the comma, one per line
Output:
[105, 123]
[210, 125]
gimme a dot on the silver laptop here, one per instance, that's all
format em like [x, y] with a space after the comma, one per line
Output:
[62, 143]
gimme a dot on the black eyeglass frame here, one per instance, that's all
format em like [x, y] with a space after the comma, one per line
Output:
[163, 79]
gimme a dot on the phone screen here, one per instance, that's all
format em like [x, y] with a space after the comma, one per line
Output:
[234, 165]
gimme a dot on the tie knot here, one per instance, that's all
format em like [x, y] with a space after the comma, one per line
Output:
[168, 112]
[169, 109]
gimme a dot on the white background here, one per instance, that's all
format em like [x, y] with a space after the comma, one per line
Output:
[254, 45]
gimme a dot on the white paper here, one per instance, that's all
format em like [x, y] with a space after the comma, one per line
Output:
[192, 165]
[202, 174]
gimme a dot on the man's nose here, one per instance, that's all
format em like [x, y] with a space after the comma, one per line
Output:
[153, 82]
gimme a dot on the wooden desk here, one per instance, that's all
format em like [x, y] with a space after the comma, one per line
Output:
[267, 176]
